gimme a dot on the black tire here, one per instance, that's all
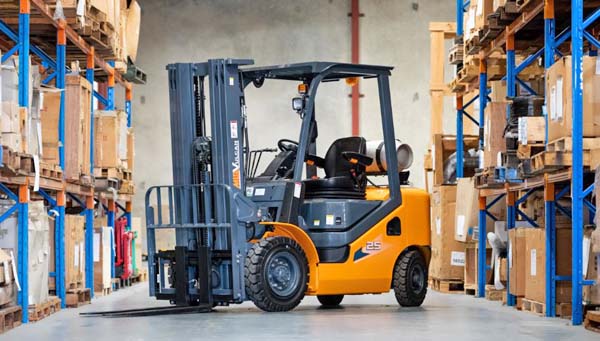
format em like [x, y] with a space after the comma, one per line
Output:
[330, 300]
[276, 274]
[410, 279]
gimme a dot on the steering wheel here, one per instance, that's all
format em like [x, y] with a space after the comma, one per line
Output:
[286, 145]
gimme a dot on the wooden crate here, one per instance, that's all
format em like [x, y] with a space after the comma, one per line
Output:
[74, 253]
[77, 127]
[110, 130]
[443, 147]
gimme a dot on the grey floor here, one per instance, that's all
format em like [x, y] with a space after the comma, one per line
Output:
[361, 317]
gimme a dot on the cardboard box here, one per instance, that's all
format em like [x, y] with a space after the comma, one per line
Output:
[74, 252]
[102, 259]
[535, 264]
[559, 101]
[108, 126]
[531, 130]
[516, 261]
[49, 114]
[494, 143]
[447, 255]
[467, 211]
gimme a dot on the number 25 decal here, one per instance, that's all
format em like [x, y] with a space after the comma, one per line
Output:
[373, 246]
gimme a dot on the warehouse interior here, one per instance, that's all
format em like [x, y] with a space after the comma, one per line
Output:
[151, 185]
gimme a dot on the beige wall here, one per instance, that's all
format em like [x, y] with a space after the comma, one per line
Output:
[275, 32]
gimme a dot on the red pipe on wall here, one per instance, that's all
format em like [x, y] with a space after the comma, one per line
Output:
[355, 39]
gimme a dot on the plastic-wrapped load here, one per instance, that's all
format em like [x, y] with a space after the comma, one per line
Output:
[39, 247]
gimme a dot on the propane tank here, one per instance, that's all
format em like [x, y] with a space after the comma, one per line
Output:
[376, 150]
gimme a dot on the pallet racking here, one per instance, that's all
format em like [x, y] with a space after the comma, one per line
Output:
[554, 185]
[58, 192]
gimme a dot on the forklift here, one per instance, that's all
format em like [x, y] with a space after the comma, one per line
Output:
[285, 232]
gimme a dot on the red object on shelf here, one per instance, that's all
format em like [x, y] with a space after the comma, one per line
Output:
[123, 240]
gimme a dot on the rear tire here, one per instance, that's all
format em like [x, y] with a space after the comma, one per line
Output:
[329, 301]
[410, 279]
[276, 274]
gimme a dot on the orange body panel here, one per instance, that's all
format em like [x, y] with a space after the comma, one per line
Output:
[376, 252]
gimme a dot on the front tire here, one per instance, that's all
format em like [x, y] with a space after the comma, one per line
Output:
[330, 301]
[276, 274]
[410, 279]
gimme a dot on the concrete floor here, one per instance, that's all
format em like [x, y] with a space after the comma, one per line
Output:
[361, 317]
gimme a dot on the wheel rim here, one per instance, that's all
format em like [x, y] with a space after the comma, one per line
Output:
[417, 278]
[283, 273]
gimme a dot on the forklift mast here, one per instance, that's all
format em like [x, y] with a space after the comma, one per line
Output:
[206, 205]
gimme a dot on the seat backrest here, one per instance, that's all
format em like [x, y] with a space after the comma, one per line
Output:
[335, 163]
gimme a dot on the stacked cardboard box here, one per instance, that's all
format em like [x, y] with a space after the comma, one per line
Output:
[559, 101]
[493, 132]
[535, 264]
[111, 132]
[111, 26]
[74, 252]
[77, 127]
[447, 254]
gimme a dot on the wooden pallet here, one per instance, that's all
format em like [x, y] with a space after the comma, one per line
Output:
[565, 144]
[521, 4]
[42, 310]
[14, 163]
[472, 46]
[103, 292]
[562, 309]
[592, 321]
[48, 170]
[488, 33]
[116, 284]
[127, 187]
[104, 184]
[456, 54]
[470, 289]
[493, 294]
[527, 151]
[140, 277]
[10, 317]
[447, 286]
[78, 297]
[118, 173]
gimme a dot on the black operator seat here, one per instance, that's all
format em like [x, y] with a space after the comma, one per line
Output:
[344, 165]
